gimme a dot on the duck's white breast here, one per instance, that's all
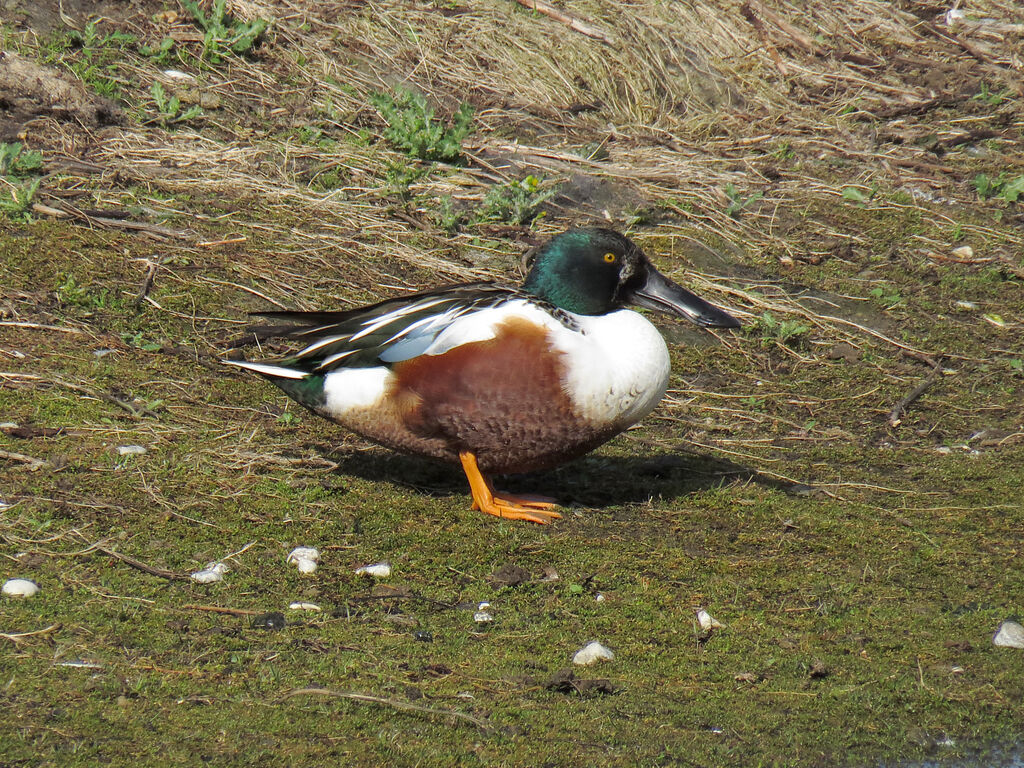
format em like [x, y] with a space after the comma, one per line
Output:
[617, 366]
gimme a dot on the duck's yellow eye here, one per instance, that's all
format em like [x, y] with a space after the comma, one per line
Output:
[610, 258]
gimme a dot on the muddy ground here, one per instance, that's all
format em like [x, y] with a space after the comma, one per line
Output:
[838, 483]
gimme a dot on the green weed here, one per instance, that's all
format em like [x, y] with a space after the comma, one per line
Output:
[169, 111]
[448, 217]
[737, 203]
[161, 54]
[92, 56]
[15, 161]
[1008, 189]
[788, 333]
[15, 166]
[990, 97]
[413, 129]
[887, 296]
[517, 202]
[223, 35]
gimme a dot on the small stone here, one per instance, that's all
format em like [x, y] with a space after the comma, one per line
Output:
[376, 570]
[964, 252]
[131, 450]
[177, 74]
[483, 613]
[1009, 635]
[20, 588]
[599, 598]
[304, 553]
[303, 607]
[207, 576]
[305, 559]
[706, 621]
[592, 653]
[966, 306]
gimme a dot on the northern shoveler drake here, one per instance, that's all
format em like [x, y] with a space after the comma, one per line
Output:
[496, 378]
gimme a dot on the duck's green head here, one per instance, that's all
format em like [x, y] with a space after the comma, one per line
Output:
[596, 271]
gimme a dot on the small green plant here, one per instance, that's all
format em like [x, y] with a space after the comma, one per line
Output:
[139, 342]
[163, 53]
[399, 178]
[517, 202]
[18, 203]
[17, 193]
[1008, 189]
[737, 203]
[887, 296]
[71, 292]
[858, 195]
[1017, 366]
[15, 161]
[169, 111]
[784, 151]
[413, 129]
[288, 419]
[990, 97]
[448, 217]
[92, 56]
[223, 35]
[789, 333]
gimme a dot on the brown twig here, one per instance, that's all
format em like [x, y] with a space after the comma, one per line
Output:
[147, 283]
[896, 414]
[570, 21]
[218, 609]
[33, 463]
[152, 570]
[17, 637]
[404, 706]
[38, 326]
[136, 412]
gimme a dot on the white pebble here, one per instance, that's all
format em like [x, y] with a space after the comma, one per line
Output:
[207, 576]
[305, 565]
[706, 621]
[483, 613]
[964, 252]
[20, 588]
[304, 607]
[592, 653]
[177, 74]
[130, 450]
[304, 553]
[1010, 635]
[377, 570]
[967, 306]
[599, 597]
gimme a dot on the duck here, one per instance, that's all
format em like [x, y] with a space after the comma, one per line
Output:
[494, 378]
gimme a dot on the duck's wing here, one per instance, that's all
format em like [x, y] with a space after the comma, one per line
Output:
[380, 334]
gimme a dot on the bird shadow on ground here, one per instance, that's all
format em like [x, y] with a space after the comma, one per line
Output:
[592, 481]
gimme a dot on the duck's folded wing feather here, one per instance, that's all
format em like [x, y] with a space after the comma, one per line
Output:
[387, 332]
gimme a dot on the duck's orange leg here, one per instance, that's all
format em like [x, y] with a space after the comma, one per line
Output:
[534, 509]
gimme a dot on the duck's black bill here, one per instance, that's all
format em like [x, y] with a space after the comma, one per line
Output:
[659, 293]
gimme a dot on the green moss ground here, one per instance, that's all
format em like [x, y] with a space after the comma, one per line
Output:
[860, 567]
